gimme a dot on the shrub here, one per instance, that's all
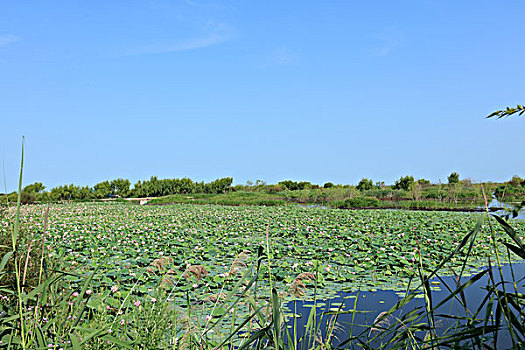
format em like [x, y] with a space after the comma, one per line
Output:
[361, 202]
[274, 189]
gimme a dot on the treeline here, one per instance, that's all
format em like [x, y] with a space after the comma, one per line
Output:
[405, 188]
[368, 193]
[121, 188]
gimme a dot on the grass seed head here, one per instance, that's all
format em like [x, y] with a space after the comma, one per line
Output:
[381, 323]
[197, 271]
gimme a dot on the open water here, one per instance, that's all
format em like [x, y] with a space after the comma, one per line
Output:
[370, 304]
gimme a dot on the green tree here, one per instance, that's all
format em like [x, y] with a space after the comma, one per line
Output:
[453, 178]
[423, 182]
[365, 184]
[36, 187]
[404, 183]
[289, 185]
[380, 184]
[103, 190]
[27, 197]
[70, 192]
[304, 185]
[517, 181]
[120, 187]
[219, 186]
[328, 185]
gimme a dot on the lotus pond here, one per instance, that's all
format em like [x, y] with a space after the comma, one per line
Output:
[364, 249]
[198, 253]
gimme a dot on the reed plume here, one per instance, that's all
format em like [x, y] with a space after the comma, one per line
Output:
[159, 264]
[297, 287]
[197, 271]
[381, 322]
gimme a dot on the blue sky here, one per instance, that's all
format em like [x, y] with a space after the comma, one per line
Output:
[271, 90]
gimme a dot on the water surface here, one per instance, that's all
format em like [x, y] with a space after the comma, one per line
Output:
[370, 304]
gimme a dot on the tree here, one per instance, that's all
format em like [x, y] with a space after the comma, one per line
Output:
[453, 178]
[365, 184]
[380, 184]
[219, 185]
[516, 181]
[289, 185]
[120, 187]
[70, 192]
[423, 182]
[304, 185]
[103, 190]
[37, 187]
[27, 197]
[404, 183]
[328, 185]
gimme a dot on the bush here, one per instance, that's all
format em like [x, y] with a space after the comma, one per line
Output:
[274, 189]
[386, 193]
[508, 190]
[361, 202]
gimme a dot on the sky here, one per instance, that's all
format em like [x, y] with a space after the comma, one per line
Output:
[260, 90]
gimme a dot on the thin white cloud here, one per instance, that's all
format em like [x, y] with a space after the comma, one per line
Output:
[209, 34]
[8, 39]
[281, 56]
[187, 45]
[390, 40]
[388, 46]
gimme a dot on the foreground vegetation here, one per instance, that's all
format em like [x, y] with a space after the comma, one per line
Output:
[117, 275]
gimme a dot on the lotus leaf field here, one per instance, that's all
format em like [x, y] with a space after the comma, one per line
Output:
[195, 253]
[352, 249]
